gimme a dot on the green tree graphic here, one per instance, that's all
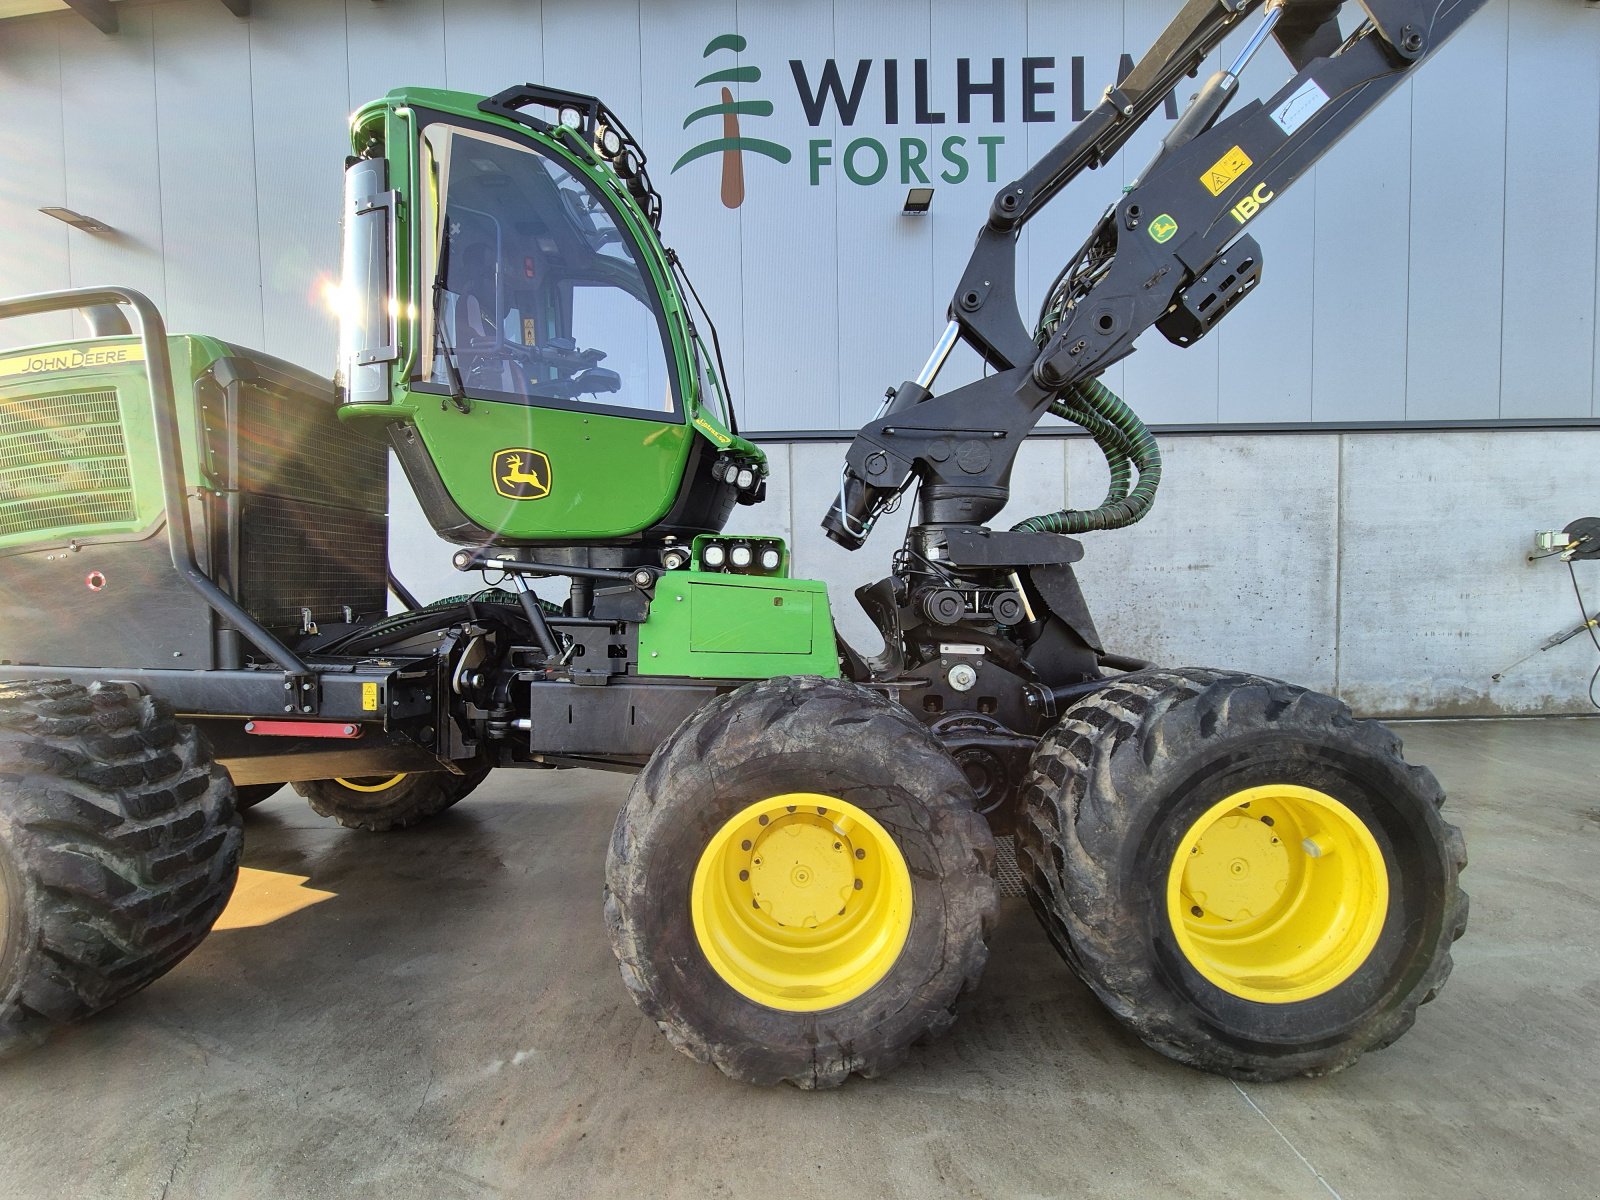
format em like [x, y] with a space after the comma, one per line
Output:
[731, 144]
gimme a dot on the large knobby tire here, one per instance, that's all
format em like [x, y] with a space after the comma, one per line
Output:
[810, 837]
[380, 803]
[1252, 880]
[119, 847]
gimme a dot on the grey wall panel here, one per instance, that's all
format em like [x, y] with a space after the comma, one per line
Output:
[208, 206]
[787, 229]
[35, 250]
[1428, 224]
[885, 259]
[299, 73]
[1361, 289]
[394, 45]
[1553, 98]
[1458, 153]
[112, 163]
[595, 47]
[491, 44]
[673, 37]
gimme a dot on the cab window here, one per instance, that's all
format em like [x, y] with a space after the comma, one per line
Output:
[537, 294]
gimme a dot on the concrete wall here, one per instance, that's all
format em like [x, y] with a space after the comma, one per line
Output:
[1390, 569]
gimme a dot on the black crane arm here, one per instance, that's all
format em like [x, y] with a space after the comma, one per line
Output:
[1171, 252]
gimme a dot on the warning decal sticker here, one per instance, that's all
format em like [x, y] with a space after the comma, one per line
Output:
[1299, 108]
[1225, 170]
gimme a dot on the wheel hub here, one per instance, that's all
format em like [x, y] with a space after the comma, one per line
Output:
[1278, 893]
[801, 902]
[800, 871]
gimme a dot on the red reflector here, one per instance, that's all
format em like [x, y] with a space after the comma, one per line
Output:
[322, 729]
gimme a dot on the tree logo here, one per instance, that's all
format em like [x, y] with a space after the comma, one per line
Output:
[732, 143]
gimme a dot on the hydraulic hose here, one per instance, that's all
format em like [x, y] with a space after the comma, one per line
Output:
[1128, 446]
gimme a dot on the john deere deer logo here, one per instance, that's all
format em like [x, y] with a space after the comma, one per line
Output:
[732, 144]
[522, 474]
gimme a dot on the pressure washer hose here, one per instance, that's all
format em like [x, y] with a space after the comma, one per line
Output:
[1128, 446]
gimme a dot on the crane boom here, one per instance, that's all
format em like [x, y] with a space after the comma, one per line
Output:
[1174, 251]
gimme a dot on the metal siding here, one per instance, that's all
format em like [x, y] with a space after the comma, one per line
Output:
[1452, 204]
[1361, 284]
[299, 73]
[489, 45]
[393, 45]
[1553, 99]
[36, 251]
[787, 231]
[674, 34]
[208, 211]
[1458, 152]
[112, 164]
[885, 258]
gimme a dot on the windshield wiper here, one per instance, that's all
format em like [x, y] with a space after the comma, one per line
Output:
[458, 390]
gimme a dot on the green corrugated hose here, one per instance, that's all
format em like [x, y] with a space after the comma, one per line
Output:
[1127, 445]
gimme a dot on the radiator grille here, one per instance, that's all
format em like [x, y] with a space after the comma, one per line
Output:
[300, 450]
[63, 463]
[299, 555]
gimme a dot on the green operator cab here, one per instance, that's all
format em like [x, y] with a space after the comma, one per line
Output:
[511, 320]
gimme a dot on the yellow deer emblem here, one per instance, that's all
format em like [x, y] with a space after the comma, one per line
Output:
[522, 474]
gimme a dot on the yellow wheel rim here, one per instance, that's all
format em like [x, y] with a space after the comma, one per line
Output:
[1278, 893]
[801, 902]
[371, 783]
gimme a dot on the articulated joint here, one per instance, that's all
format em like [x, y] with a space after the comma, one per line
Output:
[1006, 211]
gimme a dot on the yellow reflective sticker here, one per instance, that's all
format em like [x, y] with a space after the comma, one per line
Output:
[1225, 170]
[70, 358]
[369, 697]
[713, 433]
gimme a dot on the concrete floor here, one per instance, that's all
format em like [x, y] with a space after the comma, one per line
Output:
[449, 1022]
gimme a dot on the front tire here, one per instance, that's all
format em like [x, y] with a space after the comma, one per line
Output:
[119, 848]
[798, 887]
[381, 803]
[1252, 880]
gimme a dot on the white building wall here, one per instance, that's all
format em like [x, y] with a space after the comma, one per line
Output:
[1440, 265]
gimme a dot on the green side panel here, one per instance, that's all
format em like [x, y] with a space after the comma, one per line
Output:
[705, 625]
[77, 438]
[593, 475]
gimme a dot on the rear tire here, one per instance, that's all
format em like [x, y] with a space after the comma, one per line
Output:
[119, 847]
[1252, 880]
[763, 812]
[381, 803]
